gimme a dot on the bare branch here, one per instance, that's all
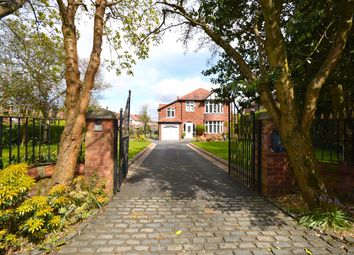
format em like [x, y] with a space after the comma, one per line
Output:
[35, 15]
[113, 3]
[319, 42]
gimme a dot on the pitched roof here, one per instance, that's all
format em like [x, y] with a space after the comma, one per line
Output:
[135, 117]
[198, 94]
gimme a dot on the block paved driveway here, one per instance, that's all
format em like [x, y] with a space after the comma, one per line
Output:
[177, 202]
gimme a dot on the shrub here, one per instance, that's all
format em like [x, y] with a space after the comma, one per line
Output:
[37, 217]
[141, 138]
[33, 218]
[333, 219]
[74, 203]
[199, 130]
[201, 139]
[14, 186]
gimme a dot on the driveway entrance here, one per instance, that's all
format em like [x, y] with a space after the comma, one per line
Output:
[176, 202]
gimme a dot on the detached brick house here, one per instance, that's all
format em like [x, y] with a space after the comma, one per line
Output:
[183, 114]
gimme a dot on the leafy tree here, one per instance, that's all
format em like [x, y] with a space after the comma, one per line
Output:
[122, 23]
[31, 69]
[277, 47]
[144, 116]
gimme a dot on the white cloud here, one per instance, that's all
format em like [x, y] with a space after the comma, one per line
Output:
[167, 90]
[170, 71]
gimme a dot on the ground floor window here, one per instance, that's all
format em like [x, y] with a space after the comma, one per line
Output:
[214, 127]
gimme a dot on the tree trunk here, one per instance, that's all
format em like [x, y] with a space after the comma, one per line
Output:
[77, 92]
[69, 149]
[303, 161]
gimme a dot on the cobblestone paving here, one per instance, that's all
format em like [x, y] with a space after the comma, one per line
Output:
[146, 223]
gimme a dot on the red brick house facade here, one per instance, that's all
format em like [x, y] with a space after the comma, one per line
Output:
[182, 115]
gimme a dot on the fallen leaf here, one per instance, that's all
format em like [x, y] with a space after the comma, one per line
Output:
[308, 251]
[178, 232]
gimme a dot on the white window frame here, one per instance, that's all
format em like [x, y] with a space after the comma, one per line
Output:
[213, 108]
[214, 127]
[190, 106]
[170, 112]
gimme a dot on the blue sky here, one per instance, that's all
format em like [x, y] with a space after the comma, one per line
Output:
[170, 71]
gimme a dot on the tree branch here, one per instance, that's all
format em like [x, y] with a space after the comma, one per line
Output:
[236, 56]
[95, 56]
[8, 7]
[333, 57]
[63, 12]
[261, 55]
[277, 59]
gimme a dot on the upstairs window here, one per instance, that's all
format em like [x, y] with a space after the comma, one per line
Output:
[211, 107]
[170, 112]
[190, 106]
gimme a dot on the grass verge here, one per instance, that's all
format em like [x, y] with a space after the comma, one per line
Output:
[135, 147]
[219, 149]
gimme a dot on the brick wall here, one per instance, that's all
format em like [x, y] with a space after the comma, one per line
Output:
[99, 152]
[276, 176]
[197, 117]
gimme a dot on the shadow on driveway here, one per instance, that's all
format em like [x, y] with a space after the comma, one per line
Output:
[174, 170]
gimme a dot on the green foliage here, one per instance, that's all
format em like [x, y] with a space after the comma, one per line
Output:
[199, 129]
[73, 203]
[31, 218]
[34, 218]
[141, 138]
[333, 219]
[8, 241]
[35, 134]
[37, 218]
[14, 186]
[34, 63]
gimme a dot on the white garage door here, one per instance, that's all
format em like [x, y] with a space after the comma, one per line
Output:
[169, 132]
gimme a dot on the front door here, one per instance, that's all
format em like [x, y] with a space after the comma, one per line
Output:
[189, 130]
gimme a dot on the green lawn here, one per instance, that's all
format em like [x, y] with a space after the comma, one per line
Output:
[40, 154]
[219, 149]
[135, 147]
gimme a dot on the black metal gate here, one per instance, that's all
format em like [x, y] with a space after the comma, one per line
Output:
[121, 141]
[242, 148]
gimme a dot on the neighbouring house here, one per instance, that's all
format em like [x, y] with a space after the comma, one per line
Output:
[135, 122]
[136, 125]
[181, 116]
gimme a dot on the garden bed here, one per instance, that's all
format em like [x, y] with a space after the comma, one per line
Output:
[296, 207]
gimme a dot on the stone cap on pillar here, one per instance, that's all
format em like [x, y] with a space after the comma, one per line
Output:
[102, 114]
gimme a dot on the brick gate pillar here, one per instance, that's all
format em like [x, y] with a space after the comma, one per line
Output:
[276, 176]
[99, 144]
